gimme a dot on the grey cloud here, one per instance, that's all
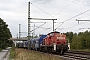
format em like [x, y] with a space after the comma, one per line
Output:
[6, 1]
[42, 1]
[6, 5]
[87, 2]
[84, 2]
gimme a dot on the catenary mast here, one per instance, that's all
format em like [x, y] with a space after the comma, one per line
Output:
[28, 23]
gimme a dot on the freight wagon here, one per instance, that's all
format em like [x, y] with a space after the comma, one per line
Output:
[36, 42]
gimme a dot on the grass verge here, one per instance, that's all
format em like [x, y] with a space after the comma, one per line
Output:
[12, 53]
[24, 54]
[86, 50]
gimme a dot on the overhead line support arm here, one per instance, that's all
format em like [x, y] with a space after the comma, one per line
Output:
[43, 19]
[81, 20]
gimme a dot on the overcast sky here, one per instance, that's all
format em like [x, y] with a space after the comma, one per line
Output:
[15, 12]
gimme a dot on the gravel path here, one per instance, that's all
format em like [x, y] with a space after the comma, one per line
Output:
[4, 54]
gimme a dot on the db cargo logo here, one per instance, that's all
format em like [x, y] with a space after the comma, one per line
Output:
[60, 37]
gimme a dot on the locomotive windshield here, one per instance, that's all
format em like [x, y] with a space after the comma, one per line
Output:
[52, 34]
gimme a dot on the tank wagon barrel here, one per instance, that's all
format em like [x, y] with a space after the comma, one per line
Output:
[36, 42]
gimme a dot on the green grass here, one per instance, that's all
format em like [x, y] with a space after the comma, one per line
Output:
[12, 53]
[86, 50]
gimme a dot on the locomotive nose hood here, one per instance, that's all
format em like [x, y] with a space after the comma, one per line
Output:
[61, 36]
[61, 39]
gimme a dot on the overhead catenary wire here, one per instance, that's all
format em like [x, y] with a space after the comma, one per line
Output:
[48, 13]
[65, 8]
[58, 12]
[38, 27]
[79, 2]
[77, 24]
[81, 29]
[41, 27]
[42, 10]
[73, 17]
[74, 26]
[61, 11]
[44, 30]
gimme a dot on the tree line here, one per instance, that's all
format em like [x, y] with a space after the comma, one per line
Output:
[79, 40]
[5, 34]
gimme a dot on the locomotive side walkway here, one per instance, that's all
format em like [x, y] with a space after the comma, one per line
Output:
[4, 54]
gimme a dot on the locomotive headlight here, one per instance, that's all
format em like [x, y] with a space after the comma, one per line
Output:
[60, 37]
[54, 46]
[57, 37]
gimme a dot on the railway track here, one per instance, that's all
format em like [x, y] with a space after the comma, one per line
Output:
[75, 55]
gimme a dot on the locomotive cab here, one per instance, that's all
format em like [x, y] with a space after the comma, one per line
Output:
[55, 37]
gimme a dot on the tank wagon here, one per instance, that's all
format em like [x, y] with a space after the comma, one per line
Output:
[23, 44]
[54, 42]
[36, 42]
[32, 44]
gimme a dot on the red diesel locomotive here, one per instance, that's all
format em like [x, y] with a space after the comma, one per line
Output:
[54, 42]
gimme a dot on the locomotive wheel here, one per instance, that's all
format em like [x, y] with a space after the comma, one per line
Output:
[50, 50]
